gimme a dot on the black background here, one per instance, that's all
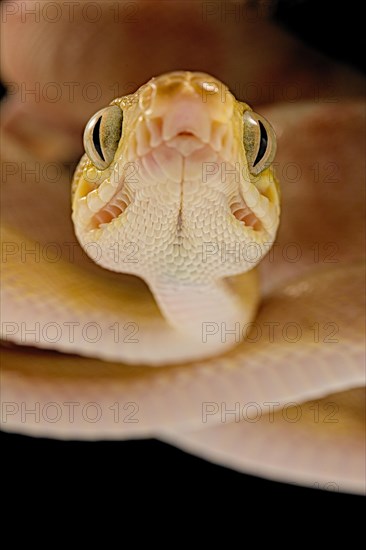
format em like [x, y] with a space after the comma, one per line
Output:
[141, 474]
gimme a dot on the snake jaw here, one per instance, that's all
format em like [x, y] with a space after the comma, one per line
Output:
[186, 143]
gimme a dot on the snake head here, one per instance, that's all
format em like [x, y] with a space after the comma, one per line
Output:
[181, 171]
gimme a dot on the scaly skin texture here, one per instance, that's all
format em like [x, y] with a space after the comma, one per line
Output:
[321, 287]
[179, 193]
[312, 103]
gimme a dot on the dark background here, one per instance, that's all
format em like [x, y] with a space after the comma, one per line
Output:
[141, 474]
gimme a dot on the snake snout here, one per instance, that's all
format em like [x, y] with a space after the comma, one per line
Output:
[187, 118]
[188, 105]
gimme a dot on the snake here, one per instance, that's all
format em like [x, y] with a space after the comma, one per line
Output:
[155, 321]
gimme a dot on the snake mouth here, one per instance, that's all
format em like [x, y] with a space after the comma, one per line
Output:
[113, 209]
[245, 215]
[185, 143]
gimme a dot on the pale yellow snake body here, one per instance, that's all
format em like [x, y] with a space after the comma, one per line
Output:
[178, 189]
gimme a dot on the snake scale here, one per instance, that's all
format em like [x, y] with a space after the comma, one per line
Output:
[174, 205]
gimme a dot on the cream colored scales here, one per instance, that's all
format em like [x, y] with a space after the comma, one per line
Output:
[177, 188]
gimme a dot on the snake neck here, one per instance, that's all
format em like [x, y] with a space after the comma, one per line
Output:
[207, 311]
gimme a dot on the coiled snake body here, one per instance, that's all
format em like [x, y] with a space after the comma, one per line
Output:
[177, 188]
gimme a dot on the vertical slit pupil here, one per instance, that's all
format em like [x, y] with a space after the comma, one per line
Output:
[263, 143]
[96, 139]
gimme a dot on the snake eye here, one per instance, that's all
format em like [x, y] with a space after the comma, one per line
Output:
[259, 142]
[102, 135]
